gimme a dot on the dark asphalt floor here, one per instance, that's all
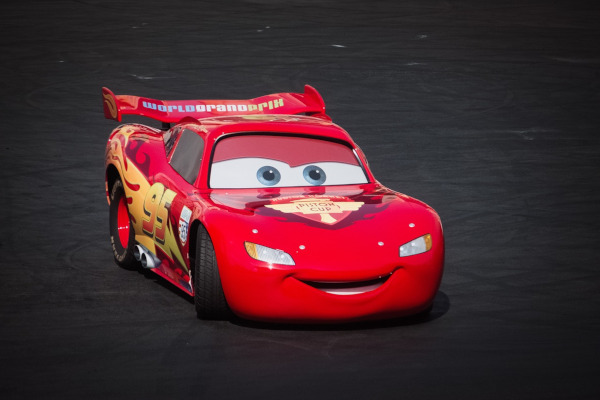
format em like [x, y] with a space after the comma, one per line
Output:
[487, 111]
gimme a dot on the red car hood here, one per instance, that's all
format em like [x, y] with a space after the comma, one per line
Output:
[350, 228]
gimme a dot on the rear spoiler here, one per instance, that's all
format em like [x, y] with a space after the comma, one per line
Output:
[115, 106]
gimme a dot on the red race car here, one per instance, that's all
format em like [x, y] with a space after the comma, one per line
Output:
[267, 209]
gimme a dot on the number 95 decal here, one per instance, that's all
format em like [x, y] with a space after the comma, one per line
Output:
[157, 204]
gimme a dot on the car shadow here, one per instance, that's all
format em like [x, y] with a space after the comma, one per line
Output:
[441, 305]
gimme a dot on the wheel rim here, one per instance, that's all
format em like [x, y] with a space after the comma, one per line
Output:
[123, 223]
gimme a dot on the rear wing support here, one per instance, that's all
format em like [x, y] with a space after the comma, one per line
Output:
[172, 111]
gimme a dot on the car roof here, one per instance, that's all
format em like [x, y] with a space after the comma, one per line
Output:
[216, 127]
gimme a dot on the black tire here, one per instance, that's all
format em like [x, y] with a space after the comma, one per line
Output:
[208, 292]
[122, 252]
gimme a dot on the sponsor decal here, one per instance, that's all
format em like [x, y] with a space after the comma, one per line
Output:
[327, 210]
[214, 108]
[184, 224]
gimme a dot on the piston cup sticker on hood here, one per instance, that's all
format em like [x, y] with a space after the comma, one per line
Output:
[327, 210]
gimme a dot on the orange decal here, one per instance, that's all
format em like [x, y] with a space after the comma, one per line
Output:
[156, 211]
[162, 217]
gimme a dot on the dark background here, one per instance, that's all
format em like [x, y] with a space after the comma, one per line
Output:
[487, 111]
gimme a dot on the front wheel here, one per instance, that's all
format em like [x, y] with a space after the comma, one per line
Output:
[208, 292]
[122, 237]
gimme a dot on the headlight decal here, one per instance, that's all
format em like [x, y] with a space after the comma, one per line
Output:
[417, 246]
[268, 255]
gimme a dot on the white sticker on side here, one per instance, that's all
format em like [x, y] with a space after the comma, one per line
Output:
[184, 224]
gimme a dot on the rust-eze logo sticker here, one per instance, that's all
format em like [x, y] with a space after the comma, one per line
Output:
[327, 210]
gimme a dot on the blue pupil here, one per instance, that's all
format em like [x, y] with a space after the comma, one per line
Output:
[314, 175]
[268, 176]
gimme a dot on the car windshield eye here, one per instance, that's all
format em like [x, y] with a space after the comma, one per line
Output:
[314, 175]
[268, 176]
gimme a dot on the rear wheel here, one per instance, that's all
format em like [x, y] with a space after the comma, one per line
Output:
[122, 237]
[208, 293]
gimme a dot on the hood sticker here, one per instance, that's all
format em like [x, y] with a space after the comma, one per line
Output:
[327, 210]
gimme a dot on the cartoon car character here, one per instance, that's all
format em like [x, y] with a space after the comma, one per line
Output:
[267, 209]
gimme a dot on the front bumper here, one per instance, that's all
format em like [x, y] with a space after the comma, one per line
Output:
[257, 291]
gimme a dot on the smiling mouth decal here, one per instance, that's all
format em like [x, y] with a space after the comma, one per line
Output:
[348, 288]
